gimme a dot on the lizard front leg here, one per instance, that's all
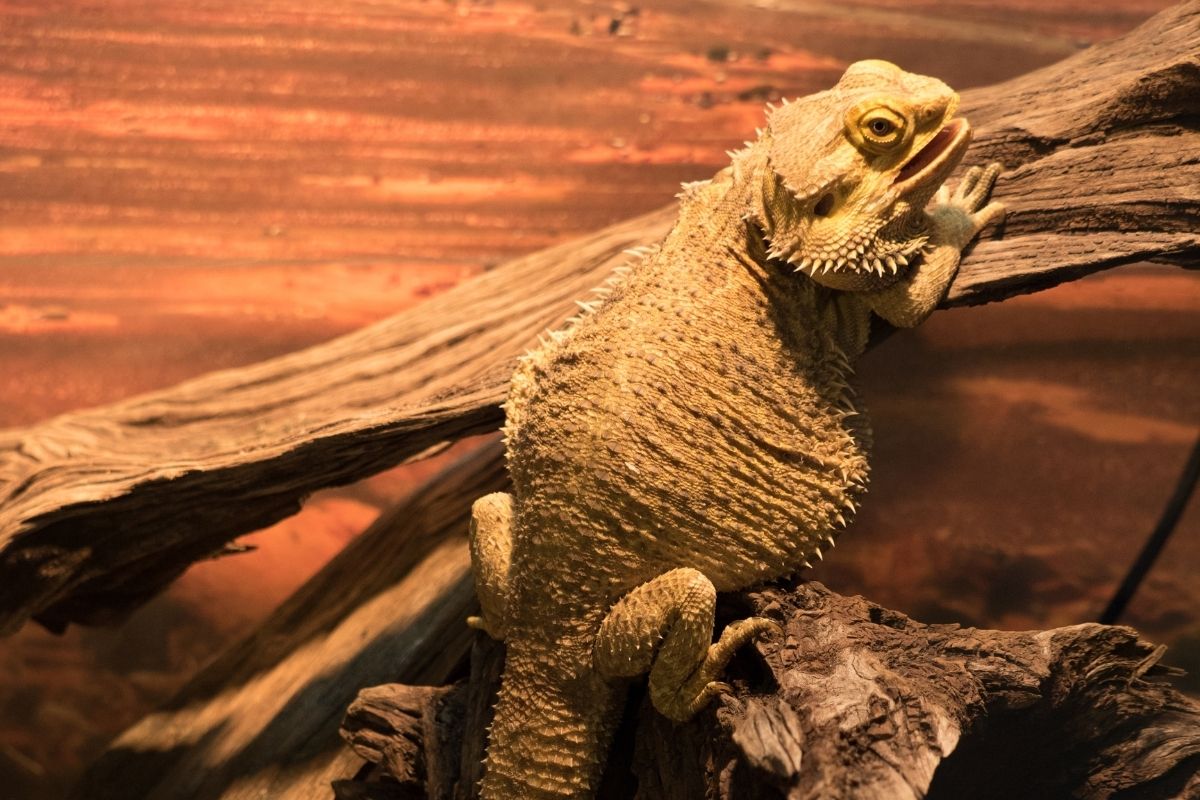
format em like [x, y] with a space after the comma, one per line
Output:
[666, 626]
[953, 220]
[490, 542]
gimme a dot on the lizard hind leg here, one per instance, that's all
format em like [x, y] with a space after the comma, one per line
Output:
[666, 626]
[490, 542]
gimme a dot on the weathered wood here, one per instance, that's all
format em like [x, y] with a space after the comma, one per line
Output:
[397, 726]
[429, 740]
[1101, 173]
[262, 719]
[857, 701]
[892, 708]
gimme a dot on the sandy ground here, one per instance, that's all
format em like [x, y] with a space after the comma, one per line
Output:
[196, 186]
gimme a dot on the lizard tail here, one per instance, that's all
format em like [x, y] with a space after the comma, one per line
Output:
[552, 729]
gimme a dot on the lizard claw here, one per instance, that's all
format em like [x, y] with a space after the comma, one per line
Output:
[743, 630]
[976, 186]
[969, 181]
[480, 623]
[715, 688]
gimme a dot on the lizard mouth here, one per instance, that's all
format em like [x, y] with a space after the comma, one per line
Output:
[936, 159]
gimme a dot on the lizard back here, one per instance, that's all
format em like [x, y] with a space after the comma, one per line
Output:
[651, 427]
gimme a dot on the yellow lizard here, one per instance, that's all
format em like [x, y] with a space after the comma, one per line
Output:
[695, 431]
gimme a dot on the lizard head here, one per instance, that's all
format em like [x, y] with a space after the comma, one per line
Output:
[849, 171]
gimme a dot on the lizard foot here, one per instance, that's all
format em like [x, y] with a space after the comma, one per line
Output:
[682, 701]
[490, 541]
[666, 626]
[961, 215]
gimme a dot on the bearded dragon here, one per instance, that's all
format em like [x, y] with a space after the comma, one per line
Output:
[695, 431]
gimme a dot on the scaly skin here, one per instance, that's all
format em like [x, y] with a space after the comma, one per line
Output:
[697, 431]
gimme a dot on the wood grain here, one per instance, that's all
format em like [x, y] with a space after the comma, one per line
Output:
[101, 509]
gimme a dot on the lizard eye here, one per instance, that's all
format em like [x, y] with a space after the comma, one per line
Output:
[879, 127]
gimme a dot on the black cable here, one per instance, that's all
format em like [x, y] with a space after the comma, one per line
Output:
[1158, 539]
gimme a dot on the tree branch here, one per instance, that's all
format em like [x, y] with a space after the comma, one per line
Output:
[100, 509]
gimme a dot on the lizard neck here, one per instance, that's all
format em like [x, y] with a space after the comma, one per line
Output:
[732, 212]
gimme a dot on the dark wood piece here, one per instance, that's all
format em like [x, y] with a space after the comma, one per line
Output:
[857, 701]
[487, 664]
[1101, 172]
[398, 727]
[429, 740]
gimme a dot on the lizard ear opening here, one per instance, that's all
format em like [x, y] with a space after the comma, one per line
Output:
[824, 206]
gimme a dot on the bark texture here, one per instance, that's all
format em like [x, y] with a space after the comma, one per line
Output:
[861, 702]
[1101, 172]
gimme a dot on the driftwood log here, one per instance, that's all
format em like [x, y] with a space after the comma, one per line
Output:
[855, 702]
[1100, 151]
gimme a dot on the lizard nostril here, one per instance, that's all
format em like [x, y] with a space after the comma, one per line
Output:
[824, 206]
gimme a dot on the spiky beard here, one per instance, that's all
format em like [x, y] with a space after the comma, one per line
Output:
[855, 256]
[864, 263]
